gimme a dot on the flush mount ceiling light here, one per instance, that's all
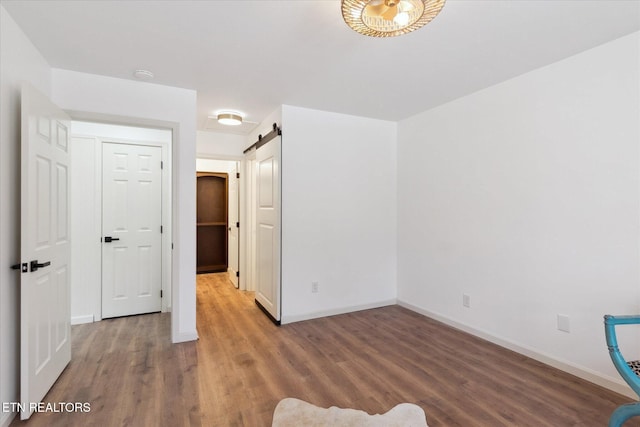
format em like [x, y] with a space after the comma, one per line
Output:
[229, 119]
[388, 18]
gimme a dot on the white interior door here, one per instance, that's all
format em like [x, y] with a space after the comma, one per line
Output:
[45, 329]
[268, 227]
[131, 229]
[233, 241]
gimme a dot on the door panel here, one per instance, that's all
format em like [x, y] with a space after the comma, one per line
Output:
[45, 340]
[266, 242]
[132, 216]
[268, 227]
[62, 203]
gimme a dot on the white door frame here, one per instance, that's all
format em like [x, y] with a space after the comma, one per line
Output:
[233, 223]
[167, 200]
[178, 316]
[241, 209]
[249, 219]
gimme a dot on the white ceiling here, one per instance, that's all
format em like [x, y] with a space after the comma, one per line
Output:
[253, 56]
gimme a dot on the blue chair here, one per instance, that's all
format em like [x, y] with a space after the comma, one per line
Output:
[629, 371]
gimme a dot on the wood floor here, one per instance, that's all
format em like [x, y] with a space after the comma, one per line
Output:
[132, 375]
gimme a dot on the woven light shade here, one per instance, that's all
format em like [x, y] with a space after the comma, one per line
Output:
[389, 18]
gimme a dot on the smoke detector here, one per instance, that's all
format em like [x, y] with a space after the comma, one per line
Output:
[143, 74]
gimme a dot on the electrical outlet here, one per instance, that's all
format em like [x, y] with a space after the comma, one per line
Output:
[315, 287]
[466, 300]
[564, 324]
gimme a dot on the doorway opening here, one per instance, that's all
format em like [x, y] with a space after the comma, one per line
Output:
[218, 217]
[121, 220]
[212, 213]
[258, 238]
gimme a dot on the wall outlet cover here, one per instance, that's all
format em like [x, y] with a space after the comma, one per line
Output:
[564, 323]
[466, 300]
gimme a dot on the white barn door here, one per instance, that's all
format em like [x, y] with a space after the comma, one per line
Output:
[45, 329]
[268, 159]
[131, 229]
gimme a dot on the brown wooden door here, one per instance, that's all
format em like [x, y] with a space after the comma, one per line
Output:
[212, 222]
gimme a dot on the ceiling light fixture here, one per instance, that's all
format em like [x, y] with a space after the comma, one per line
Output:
[388, 18]
[230, 119]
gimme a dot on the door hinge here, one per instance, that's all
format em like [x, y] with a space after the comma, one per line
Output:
[161, 229]
[237, 225]
[161, 164]
[160, 293]
[237, 274]
[237, 174]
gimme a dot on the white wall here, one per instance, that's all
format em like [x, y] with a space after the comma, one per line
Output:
[525, 196]
[264, 127]
[214, 165]
[220, 145]
[118, 132]
[86, 229]
[137, 103]
[338, 213]
[19, 61]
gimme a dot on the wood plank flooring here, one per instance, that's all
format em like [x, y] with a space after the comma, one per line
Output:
[132, 375]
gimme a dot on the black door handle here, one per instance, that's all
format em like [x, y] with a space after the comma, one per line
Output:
[35, 266]
[109, 239]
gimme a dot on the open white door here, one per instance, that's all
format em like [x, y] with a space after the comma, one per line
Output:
[234, 224]
[268, 227]
[45, 328]
[131, 227]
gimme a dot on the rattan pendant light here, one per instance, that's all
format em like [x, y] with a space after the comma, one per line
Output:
[388, 18]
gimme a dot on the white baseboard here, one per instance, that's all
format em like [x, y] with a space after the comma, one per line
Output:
[334, 312]
[7, 418]
[184, 337]
[79, 320]
[613, 384]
